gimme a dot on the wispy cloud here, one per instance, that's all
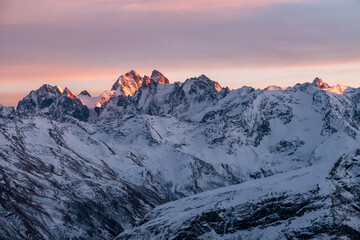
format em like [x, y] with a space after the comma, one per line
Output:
[67, 40]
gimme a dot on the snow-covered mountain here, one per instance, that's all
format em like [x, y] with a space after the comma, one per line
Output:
[155, 160]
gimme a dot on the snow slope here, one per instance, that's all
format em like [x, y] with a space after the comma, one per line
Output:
[324, 206]
[93, 167]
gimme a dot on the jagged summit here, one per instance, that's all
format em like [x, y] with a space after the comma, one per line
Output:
[39, 99]
[320, 83]
[85, 93]
[179, 99]
[159, 77]
[54, 102]
[69, 94]
[146, 81]
[293, 153]
[127, 83]
[203, 82]
[47, 88]
[203, 77]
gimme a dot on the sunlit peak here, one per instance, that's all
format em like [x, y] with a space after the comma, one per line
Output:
[320, 83]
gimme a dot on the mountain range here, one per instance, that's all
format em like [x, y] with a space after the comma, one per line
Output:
[150, 159]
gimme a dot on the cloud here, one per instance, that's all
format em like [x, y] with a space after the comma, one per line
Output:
[287, 34]
[196, 5]
[57, 11]
[55, 41]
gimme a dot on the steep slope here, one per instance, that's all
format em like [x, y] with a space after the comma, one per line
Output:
[39, 99]
[67, 173]
[52, 102]
[67, 104]
[59, 182]
[179, 99]
[316, 202]
[127, 84]
[6, 112]
[159, 77]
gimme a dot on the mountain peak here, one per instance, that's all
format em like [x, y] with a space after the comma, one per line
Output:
[159, 77]
[320, 83]
[204, 77]
[127, 83]
[47, 88]
[68, 93]
[202, 82]
[145, 81]
[217, 86]
[85, 93]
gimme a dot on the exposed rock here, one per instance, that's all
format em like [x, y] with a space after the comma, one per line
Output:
[70, 172]
[85, 93]
[159, 77]
[128, 83]
[320, 83]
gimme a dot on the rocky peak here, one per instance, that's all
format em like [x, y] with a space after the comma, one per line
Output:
[47, 89]
[69, 94]
[320, 83]
[69, 105]
[159, 77]
[202, 82]
[127, 84]
[224, 91]
[145, 81]
[39, 99]
[53, 101]
[85, 93]
[202, 89]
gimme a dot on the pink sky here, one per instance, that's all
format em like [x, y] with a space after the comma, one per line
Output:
[87, 44]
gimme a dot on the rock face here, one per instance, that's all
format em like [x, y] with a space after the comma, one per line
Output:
[85, 93]
[127, 84]
[69, 105]
[6, 113]
[181, 161]
[323, 206]
[159, 77]
[39, 99]
[320, 83]
[53, 102]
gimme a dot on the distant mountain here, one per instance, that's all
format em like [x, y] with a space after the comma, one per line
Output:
[150, 159]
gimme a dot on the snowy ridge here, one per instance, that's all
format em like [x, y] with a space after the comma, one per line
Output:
[276, 207]
[98, 167]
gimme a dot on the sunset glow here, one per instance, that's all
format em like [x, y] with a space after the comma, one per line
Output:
[88, 44]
